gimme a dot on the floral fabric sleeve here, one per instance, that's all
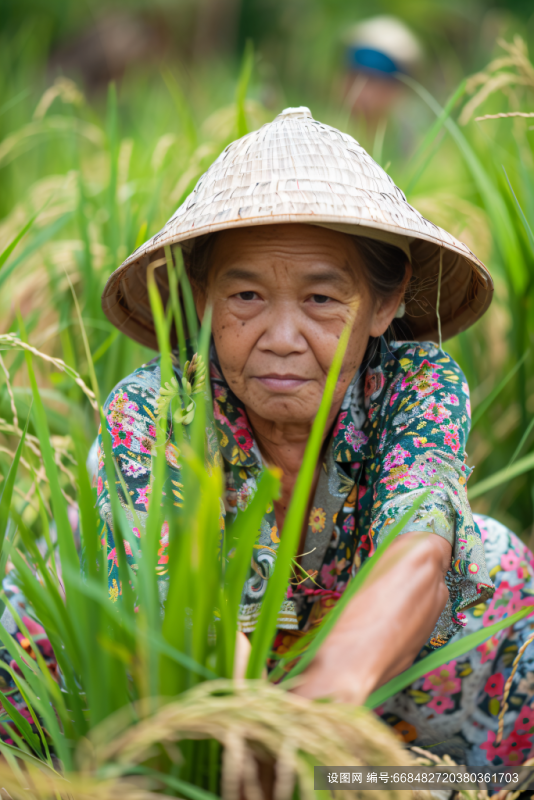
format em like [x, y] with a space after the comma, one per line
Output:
[131, 412]
[425, 419]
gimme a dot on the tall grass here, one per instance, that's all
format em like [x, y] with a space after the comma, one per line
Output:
[136, 681]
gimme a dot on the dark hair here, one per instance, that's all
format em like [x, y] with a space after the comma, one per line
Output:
[197, 257]
[384, 268]
[384, 264]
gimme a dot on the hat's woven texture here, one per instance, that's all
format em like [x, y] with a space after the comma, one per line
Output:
[296, 169]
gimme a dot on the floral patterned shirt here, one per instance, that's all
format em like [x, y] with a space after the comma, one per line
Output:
[402, 428]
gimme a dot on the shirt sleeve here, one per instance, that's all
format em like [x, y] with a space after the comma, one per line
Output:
[131, 412]
[425, 421]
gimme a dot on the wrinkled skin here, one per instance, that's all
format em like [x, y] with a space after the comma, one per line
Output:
[281, 296]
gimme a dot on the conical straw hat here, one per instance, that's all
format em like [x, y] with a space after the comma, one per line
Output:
[296, 169]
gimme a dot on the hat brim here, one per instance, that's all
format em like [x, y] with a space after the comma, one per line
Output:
[465, 293]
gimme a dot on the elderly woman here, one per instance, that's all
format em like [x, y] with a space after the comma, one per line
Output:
[293, 233]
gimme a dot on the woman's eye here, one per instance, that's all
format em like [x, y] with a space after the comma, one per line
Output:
[320, 298]
[247, 295]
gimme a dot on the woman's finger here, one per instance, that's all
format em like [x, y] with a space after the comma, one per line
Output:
[242, 654]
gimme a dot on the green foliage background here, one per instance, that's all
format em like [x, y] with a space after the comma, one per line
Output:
[93, 160]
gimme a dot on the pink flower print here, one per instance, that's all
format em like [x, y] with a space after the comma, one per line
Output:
[443, 679]
[397, 476]
[421, 441]
[451, 400]
[121, 437]
[119, 402]
[510, 750]
[34, 629]
[113, 555]
[424, 380]
[241, 421]
[142, 496]
[328, 575]
[468, 407]
[339, 424]
[152, 431]
[164, 541]
[504, 589]
[348, 525]
[493, 614]
[451, 438]
[136, 532]
[99, 486]
[493, 750]
[488, 649]
[395, 457]
[508, 597]
[20, 706]
[511, 561]
[356, 439]
[412, 481]
[495, 685]
[440, 703]
[164, 533]
[218, 414]
[133, 469]
[244, 439]
[437, 412]
[393, 398]
[219, 392]
[524, 724]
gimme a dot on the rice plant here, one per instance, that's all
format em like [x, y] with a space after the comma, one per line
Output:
[144, 701]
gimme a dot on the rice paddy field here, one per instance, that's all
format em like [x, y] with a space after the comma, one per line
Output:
[89, 169]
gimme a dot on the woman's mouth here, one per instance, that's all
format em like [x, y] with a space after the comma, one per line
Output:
[281, 383]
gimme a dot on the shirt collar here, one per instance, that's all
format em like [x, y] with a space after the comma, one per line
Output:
[236, 439]
[351, 430]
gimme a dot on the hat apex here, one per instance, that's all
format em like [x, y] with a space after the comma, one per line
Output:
[296, 169]
[300, 112]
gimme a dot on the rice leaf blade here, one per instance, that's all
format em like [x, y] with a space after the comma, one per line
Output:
[501, 477]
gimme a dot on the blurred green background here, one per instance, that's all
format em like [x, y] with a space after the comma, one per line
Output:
[109, 113]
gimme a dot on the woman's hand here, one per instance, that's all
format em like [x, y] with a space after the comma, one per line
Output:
[241, 656]
[384, 626]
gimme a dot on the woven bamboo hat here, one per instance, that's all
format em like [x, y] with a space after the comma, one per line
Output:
[296, 169]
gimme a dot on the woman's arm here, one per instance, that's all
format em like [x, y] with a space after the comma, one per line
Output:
[386, 624]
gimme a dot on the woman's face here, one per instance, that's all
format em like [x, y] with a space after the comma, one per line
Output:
[281, 296]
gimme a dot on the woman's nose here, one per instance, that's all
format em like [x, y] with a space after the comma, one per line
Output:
[283, 334]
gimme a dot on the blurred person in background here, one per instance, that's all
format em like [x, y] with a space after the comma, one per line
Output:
[377, 50]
